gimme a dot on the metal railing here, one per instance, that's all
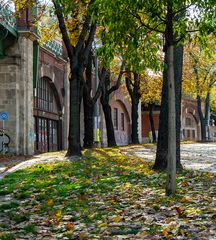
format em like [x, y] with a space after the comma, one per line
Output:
[54, 47]
[8, 20]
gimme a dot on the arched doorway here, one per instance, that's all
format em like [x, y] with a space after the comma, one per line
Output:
[121, 122]
[47, 117]
[190, 127]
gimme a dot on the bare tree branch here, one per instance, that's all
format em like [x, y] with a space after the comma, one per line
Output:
[137, 16]
[118, 82]
[84, 30]
[63, 29]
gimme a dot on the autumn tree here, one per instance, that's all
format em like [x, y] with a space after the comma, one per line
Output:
[199, 78]
[78, 53]
[109, 84]
[151, 95]
[137, 48]
[169, 19]
[89, 99]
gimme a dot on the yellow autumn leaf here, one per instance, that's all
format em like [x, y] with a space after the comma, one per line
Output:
[82, 235]
[117, 219]
[186, 200]
[166, 232]
[69, 232]
[88, 181]
[59, 215]
[102, 225]
[50, 202]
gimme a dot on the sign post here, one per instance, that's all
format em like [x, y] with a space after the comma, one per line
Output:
[4, 117]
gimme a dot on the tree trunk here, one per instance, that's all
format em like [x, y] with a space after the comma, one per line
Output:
[88, 141]
[151, 120]
[134, 92]
[202, 119]
[74, 147]
[162, 143]
[88, 104]
[207, 113]
[161, 155]
[134, 118]
[109, 123]
[178, 67]
[171, 158]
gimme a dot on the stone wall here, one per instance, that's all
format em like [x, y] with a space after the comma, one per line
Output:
[16, 94]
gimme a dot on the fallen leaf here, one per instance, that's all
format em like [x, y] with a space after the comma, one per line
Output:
[117, 219]
[166, 232]
[50, 202]
[69, 226]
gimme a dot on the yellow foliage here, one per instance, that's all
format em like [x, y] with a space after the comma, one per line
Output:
[151, 87]
[199, 68]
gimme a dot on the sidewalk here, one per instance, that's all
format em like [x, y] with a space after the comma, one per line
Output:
[196, 156]
[14, 164]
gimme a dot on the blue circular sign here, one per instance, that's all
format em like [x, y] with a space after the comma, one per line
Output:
[4, 116]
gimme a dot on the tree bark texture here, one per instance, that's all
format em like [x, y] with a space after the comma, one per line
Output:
[202, 119]
[107, 108]
[88, 105]
[134, 117]
[74, 147]
[109, 124]
[151, 120]
[171, 157]
[88, 141]
[134, 92]
[161, 155]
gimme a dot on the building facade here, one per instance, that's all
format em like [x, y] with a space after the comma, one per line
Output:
[190, 124]
[34, 92]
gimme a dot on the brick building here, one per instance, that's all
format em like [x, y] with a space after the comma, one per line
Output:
[190, 124]
[34, 92]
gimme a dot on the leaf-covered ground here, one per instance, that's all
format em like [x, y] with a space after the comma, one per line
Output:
[105, 195]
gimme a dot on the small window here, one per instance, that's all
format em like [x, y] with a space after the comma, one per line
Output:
[122, 121]
[188, 133]
[115, 118]
[183, 134]
[188, 121]
[193, 134]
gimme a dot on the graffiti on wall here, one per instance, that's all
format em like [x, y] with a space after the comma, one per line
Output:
[4, 141]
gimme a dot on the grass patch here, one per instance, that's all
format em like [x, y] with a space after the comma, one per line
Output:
[6, 236]
[29, 228]
[104, 194]
[9, 205]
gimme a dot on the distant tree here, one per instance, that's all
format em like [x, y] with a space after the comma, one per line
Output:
[199, 78]
[151, 88]
[133, 86]
[109, 85]
[89, 100]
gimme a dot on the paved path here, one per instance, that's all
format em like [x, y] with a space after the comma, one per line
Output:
[28, 163]
[198, 156]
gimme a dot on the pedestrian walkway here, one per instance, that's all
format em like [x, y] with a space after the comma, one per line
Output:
[40, 159]
[197, 156]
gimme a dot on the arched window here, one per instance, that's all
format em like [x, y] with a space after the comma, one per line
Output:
[47, 117]
[44, 99]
